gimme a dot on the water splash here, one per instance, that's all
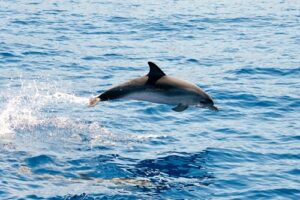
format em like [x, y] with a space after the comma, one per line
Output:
[24, 106]
[39, 111]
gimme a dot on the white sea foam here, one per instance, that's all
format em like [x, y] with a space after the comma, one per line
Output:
[23, 107]
[70, 98]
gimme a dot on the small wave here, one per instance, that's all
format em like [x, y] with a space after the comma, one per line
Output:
[7, 54]
[119, 19]
[267, 71]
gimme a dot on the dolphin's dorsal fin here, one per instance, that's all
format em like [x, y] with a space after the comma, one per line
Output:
[154, 74]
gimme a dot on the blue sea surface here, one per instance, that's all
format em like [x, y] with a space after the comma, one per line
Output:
[55, 55]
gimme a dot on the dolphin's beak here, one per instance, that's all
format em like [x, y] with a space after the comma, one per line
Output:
[210, 107]
[214, 108]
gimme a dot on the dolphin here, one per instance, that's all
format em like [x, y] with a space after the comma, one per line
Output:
[157, 87]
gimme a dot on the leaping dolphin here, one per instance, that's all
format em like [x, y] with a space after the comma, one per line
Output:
[157, 87]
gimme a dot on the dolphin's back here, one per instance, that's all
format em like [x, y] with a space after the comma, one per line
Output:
[124, 89]
[174, 83]
[171, 83]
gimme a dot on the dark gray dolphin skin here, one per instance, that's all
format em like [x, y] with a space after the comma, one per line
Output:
[157, 87]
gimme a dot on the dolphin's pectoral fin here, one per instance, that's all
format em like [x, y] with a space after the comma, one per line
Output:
[154, 74]
[180, 107]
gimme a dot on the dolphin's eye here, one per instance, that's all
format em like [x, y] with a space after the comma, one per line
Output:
[203, 101]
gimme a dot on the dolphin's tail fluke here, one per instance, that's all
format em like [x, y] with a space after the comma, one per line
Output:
[93, 101]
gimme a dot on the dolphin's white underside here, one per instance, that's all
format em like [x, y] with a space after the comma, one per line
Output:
[163, 98]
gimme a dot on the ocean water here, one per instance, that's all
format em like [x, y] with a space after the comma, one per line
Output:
[55, 55]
